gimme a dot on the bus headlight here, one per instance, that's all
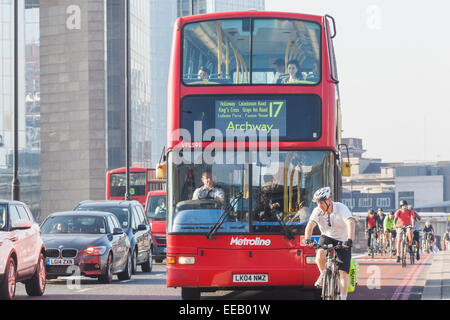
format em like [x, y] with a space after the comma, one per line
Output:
[186, 260]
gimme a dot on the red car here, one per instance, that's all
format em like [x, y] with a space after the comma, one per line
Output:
[155, 208]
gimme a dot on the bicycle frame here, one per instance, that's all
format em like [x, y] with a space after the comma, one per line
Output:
[404, 246]
[331, 284]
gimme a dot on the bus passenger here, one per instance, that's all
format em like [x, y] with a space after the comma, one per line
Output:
[293, 69]
[203, 73]
[208, 191]
[280, 73]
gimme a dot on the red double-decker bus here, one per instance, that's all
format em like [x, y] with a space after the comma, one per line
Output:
[142, 181]
[253, 110]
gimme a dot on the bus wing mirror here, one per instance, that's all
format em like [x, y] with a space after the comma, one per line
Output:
[346, 166]
[161, 168]
[161, 171]
[346, 169]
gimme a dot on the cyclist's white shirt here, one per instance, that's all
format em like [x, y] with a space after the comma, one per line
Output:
[338, 217]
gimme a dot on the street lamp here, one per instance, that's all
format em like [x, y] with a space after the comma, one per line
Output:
[128, 99]
[368, 192]
[15, 181]
[350, 180]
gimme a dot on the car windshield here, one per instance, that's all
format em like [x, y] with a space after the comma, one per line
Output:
[2, 216]
[74, 225]
[122, 214]
[156, 208]
[280, 189]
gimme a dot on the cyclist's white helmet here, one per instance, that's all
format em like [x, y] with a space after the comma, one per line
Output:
[427, 223]
[322, 194]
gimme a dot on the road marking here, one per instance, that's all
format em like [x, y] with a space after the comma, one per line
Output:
[125, 281]
[404, 289]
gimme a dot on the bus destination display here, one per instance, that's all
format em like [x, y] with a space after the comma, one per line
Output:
[259, 115]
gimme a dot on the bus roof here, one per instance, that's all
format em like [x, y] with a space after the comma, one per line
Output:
[249, 14]
[132, 169]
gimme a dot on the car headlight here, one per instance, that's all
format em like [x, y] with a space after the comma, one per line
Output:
[95, 251]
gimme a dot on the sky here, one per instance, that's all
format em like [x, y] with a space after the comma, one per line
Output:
[393, 61]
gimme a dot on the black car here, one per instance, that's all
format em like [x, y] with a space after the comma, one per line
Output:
[92, 243]
[131, 216]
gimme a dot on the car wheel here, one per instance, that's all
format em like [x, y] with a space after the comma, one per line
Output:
[8, 285]
[190, 294]
[126, 273]
[36, 285]
[134, 262]
[147, 266]
[107, 276]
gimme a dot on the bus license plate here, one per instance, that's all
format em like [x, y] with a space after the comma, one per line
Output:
[60, 262]
[250, 278]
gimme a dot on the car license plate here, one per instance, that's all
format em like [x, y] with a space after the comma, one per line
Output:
[60, 262]
[250, 278]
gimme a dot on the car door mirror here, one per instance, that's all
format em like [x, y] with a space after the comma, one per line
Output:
[22, 225]
[117, 231]
[142, 227]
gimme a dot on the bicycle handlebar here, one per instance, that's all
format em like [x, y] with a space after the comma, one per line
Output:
[328, 247]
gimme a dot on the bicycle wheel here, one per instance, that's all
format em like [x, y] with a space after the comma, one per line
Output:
[326, 288]
[372, 247]
[337, 285]
[404, 251]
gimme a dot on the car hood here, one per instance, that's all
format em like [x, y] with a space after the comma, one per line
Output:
[158, 226]
[73, 241]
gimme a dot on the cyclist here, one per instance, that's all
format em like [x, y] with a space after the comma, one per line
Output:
[447, 239]
[389, 227]
[428, 231]
[404, 218]
[416, 233]
[371, 227]
[336, 226]
[380, 233]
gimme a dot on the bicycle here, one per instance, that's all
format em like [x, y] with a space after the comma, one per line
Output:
[380, 245]
[412, 254]
[372, 247]
[404, 247]
[331, 283]
[390, 245]
[426, 242]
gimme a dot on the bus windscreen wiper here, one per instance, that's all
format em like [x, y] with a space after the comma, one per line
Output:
[222, 217]
[285, 228]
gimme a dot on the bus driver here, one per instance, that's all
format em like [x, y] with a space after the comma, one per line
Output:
[208, 191]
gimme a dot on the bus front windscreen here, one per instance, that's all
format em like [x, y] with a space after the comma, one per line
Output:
[255, 193]
[118, 184]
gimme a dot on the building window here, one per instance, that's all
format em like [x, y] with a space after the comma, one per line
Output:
[383, 202]
[365, 203]
[408, 196]
[348, 203]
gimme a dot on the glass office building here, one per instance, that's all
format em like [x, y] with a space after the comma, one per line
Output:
[29, 100]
